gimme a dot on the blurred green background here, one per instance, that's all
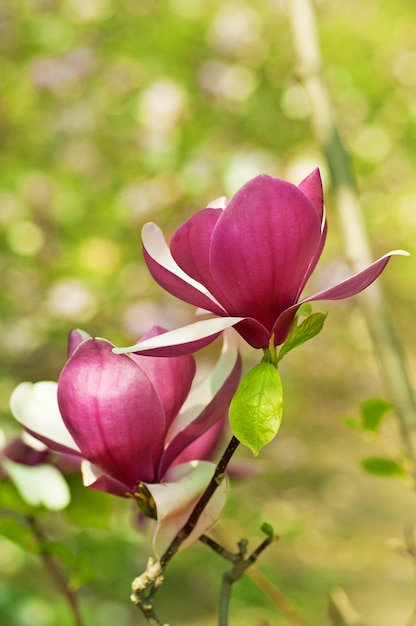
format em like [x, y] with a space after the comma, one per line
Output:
[116, 112]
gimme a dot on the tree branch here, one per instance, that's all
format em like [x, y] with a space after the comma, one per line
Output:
[55, 572]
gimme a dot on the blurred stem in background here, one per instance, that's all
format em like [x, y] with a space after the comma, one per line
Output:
[55, 572]
[310, 73]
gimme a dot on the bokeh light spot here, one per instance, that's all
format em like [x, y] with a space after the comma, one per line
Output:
[25, 238]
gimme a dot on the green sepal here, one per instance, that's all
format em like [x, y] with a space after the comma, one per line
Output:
[382, 466]
[308, 329]
[256, 409]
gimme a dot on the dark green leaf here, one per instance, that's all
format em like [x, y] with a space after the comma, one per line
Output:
[256, 409]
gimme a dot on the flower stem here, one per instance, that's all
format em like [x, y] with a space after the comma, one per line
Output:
[55, 572]
[356, 245]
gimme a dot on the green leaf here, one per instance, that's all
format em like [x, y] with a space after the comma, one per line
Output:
[256, 409]
[17, 532]
[267, 529]
[381, 466]
[373, 411]
[309, 328]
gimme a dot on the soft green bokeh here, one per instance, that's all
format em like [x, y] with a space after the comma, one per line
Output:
[116, 112]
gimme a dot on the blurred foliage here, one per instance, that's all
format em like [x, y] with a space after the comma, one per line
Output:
[116, 112]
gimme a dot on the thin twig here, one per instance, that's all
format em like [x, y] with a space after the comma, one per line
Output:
[240, 565]
[55, 572]
[357, 248]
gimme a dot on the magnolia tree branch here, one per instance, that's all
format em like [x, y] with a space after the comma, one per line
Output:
[357, 248]
[145, 586]
[55, 572]
[240, 564]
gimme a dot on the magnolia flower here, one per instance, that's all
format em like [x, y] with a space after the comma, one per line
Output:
[140, 427]
[246, 262]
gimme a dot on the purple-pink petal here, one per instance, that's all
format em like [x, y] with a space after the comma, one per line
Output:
[94, 479]
[191, 247]
[191, 242]
[209, 415]
[112, 411]
[76, 336]
[171, 377]
[204, 446]
[311, 186]
[169, 275]
[262, 246]
[347, 288]
[182, 340]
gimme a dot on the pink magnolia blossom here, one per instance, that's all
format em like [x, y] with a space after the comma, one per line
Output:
[141, 428]
[247, 262]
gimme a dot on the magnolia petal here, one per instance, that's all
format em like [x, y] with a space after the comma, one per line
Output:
[315, 258]
[191, 249]
[171, 376]
[218, 203]
[39, 485]
[356, 283]
[345, 289]
[204, 447]
[206, 404]
[256, 335]
[183, 340]
[169, 275]
[190, 244]
[262, 246]
[93, 477]
[176, 498]
[75, 337]
[32, 442]
[35, 406]
[112, 411]
[18, 451]
[311, 186]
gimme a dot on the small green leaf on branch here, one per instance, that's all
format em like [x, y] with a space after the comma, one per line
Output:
[267, 529]
[256, 409]
[382, 466]
[309, 328]
[373, 411]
